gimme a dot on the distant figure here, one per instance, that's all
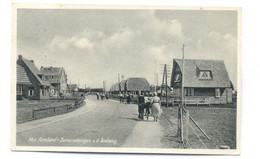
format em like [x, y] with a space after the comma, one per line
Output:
[141, 105]
[102, 96]
[97, 96]
[156, 107]
[106, 95]
[120, 97]
[128, 98]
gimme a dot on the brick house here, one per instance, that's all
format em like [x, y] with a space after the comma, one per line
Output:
[57, 77]
[29, 84]
[205, 81]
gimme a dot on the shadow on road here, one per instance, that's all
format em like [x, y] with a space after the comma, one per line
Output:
[135, 119]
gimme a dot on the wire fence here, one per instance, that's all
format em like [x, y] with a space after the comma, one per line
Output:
[186, 123]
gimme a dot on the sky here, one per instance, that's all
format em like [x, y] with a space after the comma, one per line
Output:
[95, 45]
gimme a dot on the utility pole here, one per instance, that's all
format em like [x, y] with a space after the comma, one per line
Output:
[119, 82]
[165, 83]
[182, 80]
[156, 80]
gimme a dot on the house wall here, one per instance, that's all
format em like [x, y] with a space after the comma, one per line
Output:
[36, 92]
[225, 97]
[44, 93]
[176, 92]
[63, 83]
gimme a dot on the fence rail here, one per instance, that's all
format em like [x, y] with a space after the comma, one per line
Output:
[51, 111]
[184, 123]
[188, 101]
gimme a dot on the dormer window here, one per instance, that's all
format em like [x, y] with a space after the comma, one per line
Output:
[177, 78]
[205, 75]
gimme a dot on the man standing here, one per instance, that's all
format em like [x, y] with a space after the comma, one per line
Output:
[141, 105]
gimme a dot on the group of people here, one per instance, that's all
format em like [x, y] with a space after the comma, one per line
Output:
[102, 96]
[124, 96]
[149, 105]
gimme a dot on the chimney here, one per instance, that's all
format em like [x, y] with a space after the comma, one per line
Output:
[20, 56]
[31, 61]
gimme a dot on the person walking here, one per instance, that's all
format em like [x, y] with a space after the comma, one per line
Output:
[97, 96]
[120, 97]
[106, 95]
[156, 107]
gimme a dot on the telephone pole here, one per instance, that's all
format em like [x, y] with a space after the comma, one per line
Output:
[182, 80]
[165, 83]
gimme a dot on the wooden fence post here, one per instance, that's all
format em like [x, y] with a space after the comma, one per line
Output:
[187, 118]
[181, 123]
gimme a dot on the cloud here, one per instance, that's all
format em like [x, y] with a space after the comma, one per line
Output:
[215, 45]
[100, 44]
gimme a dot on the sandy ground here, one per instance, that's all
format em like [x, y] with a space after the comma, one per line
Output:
[145, 135]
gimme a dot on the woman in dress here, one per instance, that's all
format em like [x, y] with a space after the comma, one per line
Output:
[156, 107]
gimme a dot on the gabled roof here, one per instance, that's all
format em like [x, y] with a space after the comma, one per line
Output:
[51, 70]
[21, 75]
[219, 79]
[137, 84]
[34, 70]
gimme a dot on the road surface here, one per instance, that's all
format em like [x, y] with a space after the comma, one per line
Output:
[97, 124]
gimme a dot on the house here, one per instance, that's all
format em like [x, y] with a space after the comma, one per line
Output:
[205, 81]
[29, 83]
[134, 86]
[137, 85]
[73, 88]
[57, 77]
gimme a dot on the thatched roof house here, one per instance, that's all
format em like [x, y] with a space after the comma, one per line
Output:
[137, 84]
[29, 82]
[202, 78]
[132, 85]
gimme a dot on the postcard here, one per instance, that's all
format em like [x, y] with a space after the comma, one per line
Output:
[126, 79]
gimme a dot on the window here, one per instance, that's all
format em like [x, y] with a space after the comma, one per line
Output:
[205, 92]
[19, 90]
[43, 92]
[189, 92]
[205, 75]
[177, 78]
[31, 91]
[217, 92]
